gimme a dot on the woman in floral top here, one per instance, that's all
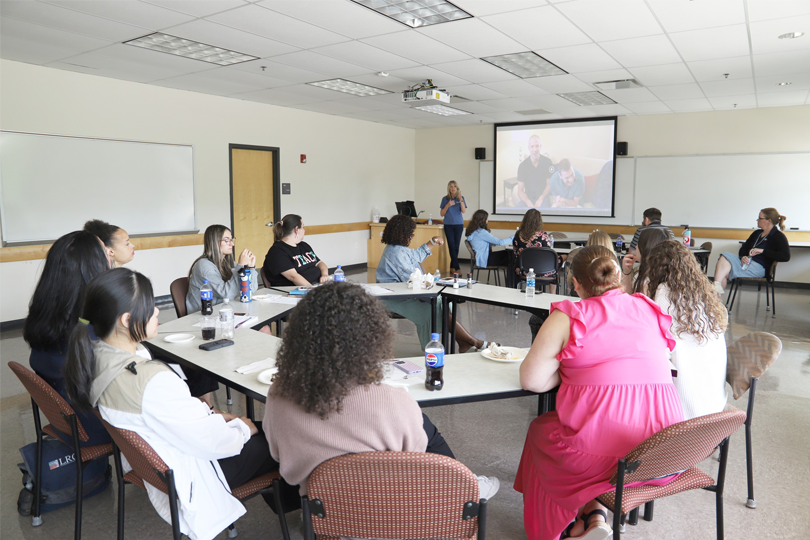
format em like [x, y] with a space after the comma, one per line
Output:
[531, 234]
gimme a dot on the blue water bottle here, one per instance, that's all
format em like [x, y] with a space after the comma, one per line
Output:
[340, 277]
[619, 243]
[244, 284]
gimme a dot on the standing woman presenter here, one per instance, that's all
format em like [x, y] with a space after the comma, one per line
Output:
[452, 207]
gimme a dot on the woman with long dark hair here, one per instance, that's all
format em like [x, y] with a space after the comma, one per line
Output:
[635, 279]
[216, 265]
[529, 235]
[120, 250]
[73, 260]
[210, 452]
[290, 260]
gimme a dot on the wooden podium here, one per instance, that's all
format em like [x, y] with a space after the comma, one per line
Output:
[439, 258]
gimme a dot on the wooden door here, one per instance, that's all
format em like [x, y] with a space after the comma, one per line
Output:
[254, 198]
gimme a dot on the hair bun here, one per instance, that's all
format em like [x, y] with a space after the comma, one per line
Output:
[603, 271]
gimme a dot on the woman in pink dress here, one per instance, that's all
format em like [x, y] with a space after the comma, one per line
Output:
[608, 353]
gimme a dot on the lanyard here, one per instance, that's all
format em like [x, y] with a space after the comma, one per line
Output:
[759, 241]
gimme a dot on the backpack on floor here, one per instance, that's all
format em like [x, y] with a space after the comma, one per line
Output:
[58, 476]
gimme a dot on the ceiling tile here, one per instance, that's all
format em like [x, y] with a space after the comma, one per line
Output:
[539, 28]
[630, 95]
[763, 10]
[196, 7]
[474, 92]
[229, 38]
[280, 71]
[116, 68]
[322, 94]
[26, 31]
[263, 22]
[723, 42]
[607, 75]
[417, 47]
[206, 85]
[687, 105]
[765, 35]
[781, 63]
[320, 64]
[330, 107]
[127, 11]
[474, 107]
[394, 84]
[346, 18]
[511, 104]
[366, 104]
[177, 64]
[69, 20]
[609, 110]
[366, 56]
[515, 88]
[480, 8]
[652, 107]
[678, 91]
[473, 37]
[681, 15]
[277, 97]
[551, 103]
[781, 99]
[733, 102]
[580, 58]
[474, 71]
[643, 51]
[248, 78]
[738, 67]
[560, 84]
[606, 20]
[31, 52]
[505, 117]
[798, 81]
[730, 87]
[662, 75]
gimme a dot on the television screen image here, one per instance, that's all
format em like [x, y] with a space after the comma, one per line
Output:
[562, 168]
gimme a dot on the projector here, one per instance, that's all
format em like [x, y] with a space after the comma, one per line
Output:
[426, 92]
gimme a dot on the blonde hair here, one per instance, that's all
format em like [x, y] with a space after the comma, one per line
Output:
[773, 215]
[600, 238]
[452, 183]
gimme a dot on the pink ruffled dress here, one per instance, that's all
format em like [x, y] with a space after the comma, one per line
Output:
[616, 391]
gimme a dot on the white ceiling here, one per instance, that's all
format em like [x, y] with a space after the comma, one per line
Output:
[679, 50]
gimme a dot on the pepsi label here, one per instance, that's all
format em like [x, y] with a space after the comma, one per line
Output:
[206, 295]
[434, 359]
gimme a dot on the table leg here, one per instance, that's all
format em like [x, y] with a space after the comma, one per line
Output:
[249, 412]
[453, 330]
[445, 309]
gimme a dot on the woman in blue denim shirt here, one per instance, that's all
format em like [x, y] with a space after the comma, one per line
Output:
[452, 207]
[397, 263]
[481, 239]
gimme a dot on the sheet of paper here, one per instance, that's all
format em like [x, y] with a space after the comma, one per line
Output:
[376, 290]
[237, 320]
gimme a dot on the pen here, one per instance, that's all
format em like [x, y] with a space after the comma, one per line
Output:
[240, 324]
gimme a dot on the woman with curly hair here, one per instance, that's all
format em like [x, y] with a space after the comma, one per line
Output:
[327, 399]
[699, 320]
[610, 398]
[632, 280]
[529, 235]
[397, 263]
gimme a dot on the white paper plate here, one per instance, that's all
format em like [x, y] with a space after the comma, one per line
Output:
[266, 376]
[178, 338]
[262, 296]
[519, 353]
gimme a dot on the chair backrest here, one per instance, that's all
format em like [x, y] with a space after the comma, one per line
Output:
[557, 235]
[393, 495]
[543, 260]
[265, 281]
[749, 357]
[706, 245]
[473, 263]
[143, 459]
[680, 446]
[614, 236]
[55, 408]
[179, 290]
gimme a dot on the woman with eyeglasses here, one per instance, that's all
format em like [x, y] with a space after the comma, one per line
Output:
[765, 246]
[290, 260]
[217, 266]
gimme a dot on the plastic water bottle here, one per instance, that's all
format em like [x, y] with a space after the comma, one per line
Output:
[551, 242]
[339, 277]
[226, 319]
[245, 294]
[530, 283]
[430, 219]
[745, 267]
[687, 236]
[437, 275]
[434, 364]
[207, 298]
[619, 243]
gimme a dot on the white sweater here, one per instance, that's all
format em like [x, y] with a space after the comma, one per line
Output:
[701, 380]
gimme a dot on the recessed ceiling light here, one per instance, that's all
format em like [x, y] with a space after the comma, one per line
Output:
[783, 83]
[442, 110]
[621, 84]
[525, 65]
[349, 87]
[190, 49]
[791, 35]
[416, 13]
[588, 98]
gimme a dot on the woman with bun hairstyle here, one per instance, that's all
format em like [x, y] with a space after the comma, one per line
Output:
[699, 320]
[290, 260]
[765, 246]
[116, 240]
[452, 208]
[610, 398]
[209, 451]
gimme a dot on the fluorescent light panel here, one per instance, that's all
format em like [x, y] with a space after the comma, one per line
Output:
[349, 87]
[416, 13]
[442, 110]
[190, 49]
[588, 98]
[525, 65]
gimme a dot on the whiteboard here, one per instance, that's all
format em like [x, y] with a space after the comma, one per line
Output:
[724, 191]
[52, 184]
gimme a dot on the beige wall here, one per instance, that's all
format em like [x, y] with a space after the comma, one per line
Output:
[351, 166]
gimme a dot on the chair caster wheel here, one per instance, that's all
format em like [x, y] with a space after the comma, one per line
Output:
[229, 402]
[36, 521]
[751, 503]
[232, 533]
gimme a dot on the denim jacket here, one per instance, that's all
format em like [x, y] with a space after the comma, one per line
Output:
[481, 240]
[398, 262]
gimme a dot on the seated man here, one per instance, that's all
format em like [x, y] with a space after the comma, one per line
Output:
[651, 219]
[566, 186]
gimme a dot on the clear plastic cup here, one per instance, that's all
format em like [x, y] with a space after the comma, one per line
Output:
[209, 327]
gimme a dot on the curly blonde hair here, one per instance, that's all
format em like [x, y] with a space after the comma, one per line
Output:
[696, 308]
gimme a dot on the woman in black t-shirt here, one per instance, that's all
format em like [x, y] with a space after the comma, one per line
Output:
[291, 261]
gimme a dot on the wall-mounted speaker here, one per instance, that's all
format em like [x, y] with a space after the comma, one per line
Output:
[480, 153]
[621, 149]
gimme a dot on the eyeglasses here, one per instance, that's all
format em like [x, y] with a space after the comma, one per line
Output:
[229, 240]
[761, 218]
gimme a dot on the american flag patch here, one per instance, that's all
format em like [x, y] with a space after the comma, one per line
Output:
[53, 464]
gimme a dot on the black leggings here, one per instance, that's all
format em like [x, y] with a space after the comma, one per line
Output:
[436, 443]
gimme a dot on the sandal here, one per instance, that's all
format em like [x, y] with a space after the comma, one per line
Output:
[600, 531]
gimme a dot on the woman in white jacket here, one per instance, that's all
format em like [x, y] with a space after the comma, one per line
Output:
[209, 451]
